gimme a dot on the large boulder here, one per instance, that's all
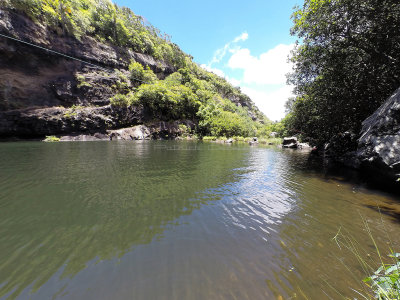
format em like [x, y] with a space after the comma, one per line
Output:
[139, 132]
[290, 142]
[379, 145]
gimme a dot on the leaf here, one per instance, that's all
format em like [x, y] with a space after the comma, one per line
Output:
[391, 269]
[368, 279]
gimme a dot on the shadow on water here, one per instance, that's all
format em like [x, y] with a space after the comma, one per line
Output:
[67, 204]
[329, 199]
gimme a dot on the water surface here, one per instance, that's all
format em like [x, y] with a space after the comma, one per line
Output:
[180, 220]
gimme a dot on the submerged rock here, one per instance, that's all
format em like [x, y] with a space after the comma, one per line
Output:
[85, 137]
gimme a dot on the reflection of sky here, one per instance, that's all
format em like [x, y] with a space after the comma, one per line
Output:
[261, 197]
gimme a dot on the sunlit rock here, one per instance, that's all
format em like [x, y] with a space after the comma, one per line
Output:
[379, 144]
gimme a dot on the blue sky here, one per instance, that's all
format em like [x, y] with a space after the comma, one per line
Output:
[246, 42]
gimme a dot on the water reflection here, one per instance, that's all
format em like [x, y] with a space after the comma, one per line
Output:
[311, 263]
[65, 205]
[100, 221]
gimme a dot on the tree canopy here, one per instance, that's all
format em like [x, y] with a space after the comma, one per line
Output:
[346, 63]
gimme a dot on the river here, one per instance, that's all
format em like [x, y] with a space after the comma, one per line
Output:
[182, 220]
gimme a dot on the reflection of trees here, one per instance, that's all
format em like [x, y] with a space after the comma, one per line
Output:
[64, 205]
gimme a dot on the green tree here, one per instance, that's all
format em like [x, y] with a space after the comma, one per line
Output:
[346, 65]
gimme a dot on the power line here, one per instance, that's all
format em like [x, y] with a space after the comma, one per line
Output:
[61, 54]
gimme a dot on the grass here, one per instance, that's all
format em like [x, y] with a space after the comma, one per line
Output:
[270, 141]
[382, 274]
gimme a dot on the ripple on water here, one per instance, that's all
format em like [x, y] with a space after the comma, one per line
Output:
[146, 221]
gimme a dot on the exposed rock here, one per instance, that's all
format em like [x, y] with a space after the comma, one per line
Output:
[379, 145]
[290, 142]
[254, 141]
[169, 130]
[342, 149]
[33, 77]
[139, 132]
[45, 93]
[303, 146]
[37, 122]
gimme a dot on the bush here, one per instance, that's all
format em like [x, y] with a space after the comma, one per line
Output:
[386, 280]
[141, 75]
[51, 138]
[122, 100]
[168, 102]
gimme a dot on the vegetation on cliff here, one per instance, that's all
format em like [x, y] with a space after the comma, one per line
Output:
[345, 66]
[191, 93]
[195, 94]
[103, 20]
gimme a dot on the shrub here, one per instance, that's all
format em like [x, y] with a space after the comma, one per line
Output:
[168, 102]
[122, 100]
[51, 138]
[141, 75]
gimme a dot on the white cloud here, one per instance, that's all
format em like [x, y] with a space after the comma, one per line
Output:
[214, 70]
[233, 81]
[269, 68]
[271, 103]
[264, 76]
[220, 53]
[244, 36]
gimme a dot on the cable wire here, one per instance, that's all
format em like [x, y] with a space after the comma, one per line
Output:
[62, 54]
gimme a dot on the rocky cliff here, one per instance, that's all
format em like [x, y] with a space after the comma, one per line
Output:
[68, 89]
[43, 93]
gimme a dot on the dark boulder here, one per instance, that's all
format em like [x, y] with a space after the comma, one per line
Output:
[290, 142]
[378, 148]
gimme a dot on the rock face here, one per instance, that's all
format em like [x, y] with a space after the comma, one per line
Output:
[68, 93]
[36, 122]
[155, 130]
[290, 142]
[139, 132]
[33, 77]
[379, 145]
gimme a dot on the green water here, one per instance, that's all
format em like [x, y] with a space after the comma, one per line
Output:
[179, 220]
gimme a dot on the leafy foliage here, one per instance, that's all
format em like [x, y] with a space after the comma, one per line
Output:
[140, 74]
[346, 65]
[167, 102]
[103, 20]
[190, 93]
[386, 280]
[51, 139]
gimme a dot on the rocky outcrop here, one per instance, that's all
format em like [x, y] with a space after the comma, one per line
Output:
[378, 147]
[33, 77]
[67, 89]
[37, 122]
[290, 142]
[154, 130]
[139, 132]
